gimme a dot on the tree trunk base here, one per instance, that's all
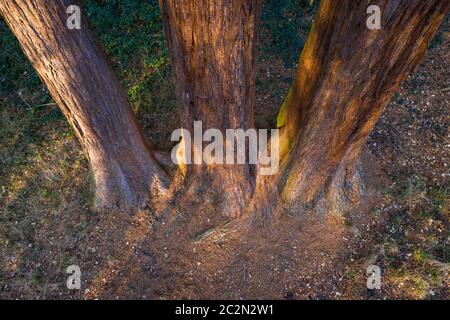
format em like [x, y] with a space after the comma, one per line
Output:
[127, 189]
[193, 251]
[226, 188]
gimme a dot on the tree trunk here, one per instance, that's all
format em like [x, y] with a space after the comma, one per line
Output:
[212, 46]
[346, 76]
[79, 78]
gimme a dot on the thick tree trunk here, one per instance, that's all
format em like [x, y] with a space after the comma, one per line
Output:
[212, 46]
[79, 78]
[346, 76]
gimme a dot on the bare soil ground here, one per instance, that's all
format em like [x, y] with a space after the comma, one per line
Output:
[401, 224]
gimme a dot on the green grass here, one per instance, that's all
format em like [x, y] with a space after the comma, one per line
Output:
[133, 36]
[131, 33]
[420, 256]
[42, 168]
[286, 28]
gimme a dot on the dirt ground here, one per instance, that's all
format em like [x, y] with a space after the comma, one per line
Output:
[188, 251]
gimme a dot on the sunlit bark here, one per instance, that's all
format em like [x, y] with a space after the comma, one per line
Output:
[212, 46]
[80, 79]
[346, 76]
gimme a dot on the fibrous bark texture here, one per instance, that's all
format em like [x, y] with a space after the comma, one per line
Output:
[81, 81]
[212, 46]
[346, 76]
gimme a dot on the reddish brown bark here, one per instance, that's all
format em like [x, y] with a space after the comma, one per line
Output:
[80, 79]
[212, 46]
[346, 76]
